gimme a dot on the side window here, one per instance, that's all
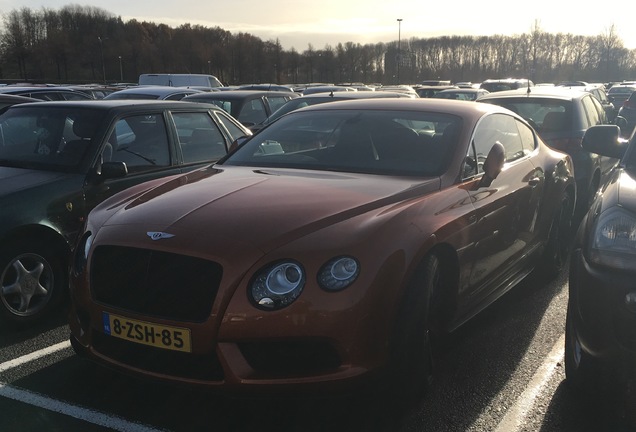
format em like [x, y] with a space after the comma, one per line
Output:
[501, 128]
[141, 142]
[253, 112]
[593, 112]
[528, 142]
[276, 102]
[199, 137]
[234, 130]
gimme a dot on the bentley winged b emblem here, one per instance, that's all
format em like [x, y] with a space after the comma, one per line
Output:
[157, 235]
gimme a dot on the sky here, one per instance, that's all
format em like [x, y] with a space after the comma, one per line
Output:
[297, 24]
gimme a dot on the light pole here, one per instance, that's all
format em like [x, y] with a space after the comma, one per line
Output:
[101, 51]
[121, 71]
[399, 55]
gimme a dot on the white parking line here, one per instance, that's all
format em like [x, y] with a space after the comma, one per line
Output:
[95, 417]
[515, 417]
[33, 356]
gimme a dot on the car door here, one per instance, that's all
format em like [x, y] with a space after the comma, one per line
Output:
[142, 141]
[506, 210]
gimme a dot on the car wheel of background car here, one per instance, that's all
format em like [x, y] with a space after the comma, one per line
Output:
[411, 354]
[559, 239]
[32, 281]
[582, 371]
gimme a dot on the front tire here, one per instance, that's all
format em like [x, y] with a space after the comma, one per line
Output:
[32, 281]
[582, 371]
[411, 366]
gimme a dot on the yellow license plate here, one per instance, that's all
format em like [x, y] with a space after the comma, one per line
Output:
[147, 333]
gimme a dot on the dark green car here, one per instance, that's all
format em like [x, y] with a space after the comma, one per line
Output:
[59, 159]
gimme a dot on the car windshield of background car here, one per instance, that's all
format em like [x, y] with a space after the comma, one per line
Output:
[45, 138]
[376, 142]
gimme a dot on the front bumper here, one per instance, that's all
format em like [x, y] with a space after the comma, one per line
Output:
[604, 325]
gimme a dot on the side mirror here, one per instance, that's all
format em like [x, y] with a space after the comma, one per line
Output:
[605, 140]
[493, 165]
[114, 169]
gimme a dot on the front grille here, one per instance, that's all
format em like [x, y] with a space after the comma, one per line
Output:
[166, 362]
[155, 283]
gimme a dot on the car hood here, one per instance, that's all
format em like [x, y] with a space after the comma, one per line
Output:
[18, 179]
[265, 208]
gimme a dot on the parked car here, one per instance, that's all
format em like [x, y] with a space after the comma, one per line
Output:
[266, 87]
[429, 91]
[152, 93]
[250, 107]
[496, 85]
[467, 94]
[327, 89]
[8, 100]
[619, 93]
[318, 98]
[600, 346]
[45, 93]
[335, 246]
[600, 93]
[205, 81]
[627, 111]
[59, 159]
[561, 116]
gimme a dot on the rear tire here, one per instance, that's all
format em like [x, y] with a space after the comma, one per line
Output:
[559, 240]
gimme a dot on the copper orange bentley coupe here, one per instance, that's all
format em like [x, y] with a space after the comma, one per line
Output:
[333, 246]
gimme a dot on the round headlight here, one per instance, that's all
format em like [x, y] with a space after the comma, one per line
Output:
[338, 273]
[277, 286]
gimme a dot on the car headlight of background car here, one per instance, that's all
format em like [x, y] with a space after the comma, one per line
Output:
[278, 285]
[614, 241]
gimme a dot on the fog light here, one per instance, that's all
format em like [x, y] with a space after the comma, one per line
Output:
[630, 301]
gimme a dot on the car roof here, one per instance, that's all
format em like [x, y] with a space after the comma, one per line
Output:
[564, 93]
[122, 104]
[443, 106]
[240, 94]
[156, 90]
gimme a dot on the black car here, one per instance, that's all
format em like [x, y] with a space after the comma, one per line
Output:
[561, 116]
[8, 100]
[46, 93]
[247, 106]
[318, 98]
[59, 159]
[600, 348]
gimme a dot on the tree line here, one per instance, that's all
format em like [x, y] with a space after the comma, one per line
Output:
[85, 44]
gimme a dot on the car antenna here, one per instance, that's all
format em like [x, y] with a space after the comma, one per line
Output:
[331, 94]
[528, 91]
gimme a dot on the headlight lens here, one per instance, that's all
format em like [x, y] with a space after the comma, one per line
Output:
[338, 273]
[614, 242]
[277, 286]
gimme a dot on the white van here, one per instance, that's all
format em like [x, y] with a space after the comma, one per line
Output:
[180, 80]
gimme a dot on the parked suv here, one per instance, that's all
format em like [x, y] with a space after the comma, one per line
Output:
[561, 116]
[59, 159]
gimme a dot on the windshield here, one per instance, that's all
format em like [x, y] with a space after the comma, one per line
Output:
[45, 138]
[376, 142]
